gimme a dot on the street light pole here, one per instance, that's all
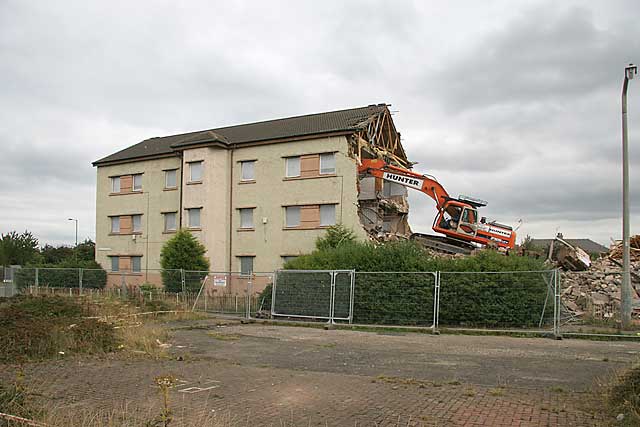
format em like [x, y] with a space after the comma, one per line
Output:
[629, 72]
[76, 220]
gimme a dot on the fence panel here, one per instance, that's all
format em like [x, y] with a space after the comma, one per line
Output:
[395, 298]
[590, 304]
[302, 294]
[498, 300]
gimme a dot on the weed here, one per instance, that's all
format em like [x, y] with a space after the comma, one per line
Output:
[497, 391]
[557, 389]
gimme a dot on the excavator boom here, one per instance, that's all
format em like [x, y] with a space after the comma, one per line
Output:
[457, 218]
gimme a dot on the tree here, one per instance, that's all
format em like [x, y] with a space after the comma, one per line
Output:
[55, 254]
[335, 236]
[183, 251]
[18, 249]
[86, 251]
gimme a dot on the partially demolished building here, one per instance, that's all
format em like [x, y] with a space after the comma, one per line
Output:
[254, 194]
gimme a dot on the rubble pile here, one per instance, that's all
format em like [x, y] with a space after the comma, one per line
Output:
[596, 292]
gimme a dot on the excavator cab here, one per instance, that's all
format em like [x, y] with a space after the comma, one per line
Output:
[457, 219]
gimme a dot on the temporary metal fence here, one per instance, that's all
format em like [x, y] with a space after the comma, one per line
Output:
[572, 303]
[313, 294]
[521, 300]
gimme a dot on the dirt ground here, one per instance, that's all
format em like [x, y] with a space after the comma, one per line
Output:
[254, 374]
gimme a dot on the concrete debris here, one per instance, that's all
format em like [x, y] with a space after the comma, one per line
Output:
[595, 293]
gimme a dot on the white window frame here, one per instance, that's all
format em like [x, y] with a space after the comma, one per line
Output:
[246, 257]
[115, 220]
[200, 163]
[133, 182]
[115, 259]
[326, 223]
[246, 218]
[248, 173]
[290, 213]
[133, 223]
[167, 173]
[133, 264]
[199, 210]
[175, 221]
[328, 171]
[115, 188]
[286, 167]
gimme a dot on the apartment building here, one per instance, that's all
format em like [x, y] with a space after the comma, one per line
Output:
[254, 194]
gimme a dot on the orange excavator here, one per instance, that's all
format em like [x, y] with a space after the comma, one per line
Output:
[457, 218]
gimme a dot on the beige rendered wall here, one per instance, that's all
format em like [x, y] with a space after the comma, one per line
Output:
[212, 194]
[271, 191]
[151, 202]
[220, 218]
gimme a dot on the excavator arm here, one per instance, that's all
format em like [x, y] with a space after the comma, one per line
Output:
[425, 183]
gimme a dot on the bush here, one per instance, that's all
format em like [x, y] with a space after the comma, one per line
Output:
[57, 276]
[183, 251]
[504, 299]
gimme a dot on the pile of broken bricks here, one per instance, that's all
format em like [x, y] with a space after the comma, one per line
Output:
[596, 292]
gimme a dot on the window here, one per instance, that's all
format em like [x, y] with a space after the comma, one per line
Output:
[248, 170]
[246, 265]
[287, 258]
[327, 163]
[293, 166]
[115, 184]
[115, 263]
[292, 214]
[246, 217]
[115, 224]
[195, 171]
[194, 217]
[390, 189]
[170, 221]
[137, 182]
[137, 223]
[170, 178]
[136, 264]
[327, 215]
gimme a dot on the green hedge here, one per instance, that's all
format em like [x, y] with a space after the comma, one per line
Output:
[512, 298]
[61, 277]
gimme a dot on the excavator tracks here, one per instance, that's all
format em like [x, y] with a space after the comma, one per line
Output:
[442, 244]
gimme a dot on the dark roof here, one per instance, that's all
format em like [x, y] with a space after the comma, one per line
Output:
[586, 245]
[291, 127]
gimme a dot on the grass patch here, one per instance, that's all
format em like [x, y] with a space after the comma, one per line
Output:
[623, 396]
[497, 391]
[35, 328]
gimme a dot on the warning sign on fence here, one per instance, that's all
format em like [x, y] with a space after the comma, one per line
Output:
[219, 280]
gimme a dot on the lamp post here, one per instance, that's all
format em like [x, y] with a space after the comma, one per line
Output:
[76, 220]
[629, 72]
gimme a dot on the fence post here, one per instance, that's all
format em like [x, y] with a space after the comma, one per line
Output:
[205, 301]
[249, 289]
[80, 280]
[183, 280]
[273, 293]
[557, 304]
[37, 283]
[436, 302]
[352, 295]
[332, 297]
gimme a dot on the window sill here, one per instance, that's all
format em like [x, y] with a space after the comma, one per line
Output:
[248, 181]
[170, 189]
[169, 232]
[194, 228]
[194, 182]
[298, 178]
[319, 227]
[136, 233]
[246, 229]
[125, 193]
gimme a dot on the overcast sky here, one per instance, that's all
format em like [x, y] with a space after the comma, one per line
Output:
[517, 103]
